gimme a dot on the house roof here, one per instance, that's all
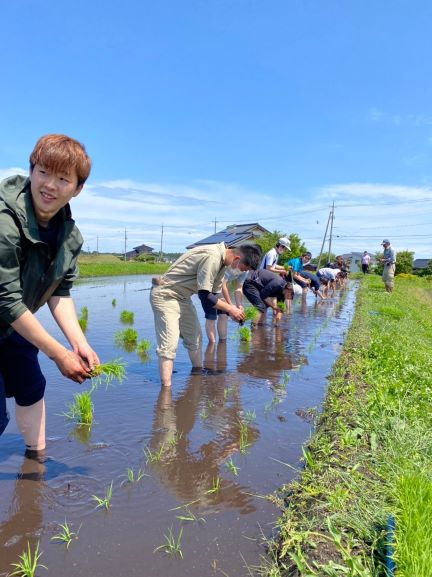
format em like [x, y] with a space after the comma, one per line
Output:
[233, 235]
[420, 263]
[143, 247]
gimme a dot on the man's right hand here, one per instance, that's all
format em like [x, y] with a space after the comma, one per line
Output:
[237, 314]
[71, 366]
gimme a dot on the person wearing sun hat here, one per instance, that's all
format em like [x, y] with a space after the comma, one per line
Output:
[389, 262]
[270, 260]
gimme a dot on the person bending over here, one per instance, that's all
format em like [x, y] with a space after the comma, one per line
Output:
[39, 247]
[264, 289]
[199, 271]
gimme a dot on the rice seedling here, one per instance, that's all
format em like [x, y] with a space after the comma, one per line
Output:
[154, 456]
[251, 313]
[244, 437]
[105, 501]
[65, 535]
[204, 414]
[216, 485]
[84, 313]
[126, 339]
[281, 306]
[190, 516]
[282, 385]
[249, 416]
[127, 317]
[29, 562]
[83, 324]
[113, 302]
[132, 476]
[244, 334]
[232, 467]
[107, 372]
[210, 404]
[143, 348]
[172, 442]
[172, 545]
[81, 410]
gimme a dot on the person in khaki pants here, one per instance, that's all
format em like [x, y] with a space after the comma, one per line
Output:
[389, 261]
[199, 271]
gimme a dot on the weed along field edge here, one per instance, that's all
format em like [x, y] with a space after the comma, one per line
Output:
[363, 502]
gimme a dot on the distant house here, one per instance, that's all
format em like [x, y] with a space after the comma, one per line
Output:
[421, 263]
[234, 235]
[141, 249]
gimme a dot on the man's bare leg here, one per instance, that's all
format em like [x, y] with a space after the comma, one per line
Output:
[165, 370]
[222, 327]
[196, 360]
[31, 423]
[210, 329]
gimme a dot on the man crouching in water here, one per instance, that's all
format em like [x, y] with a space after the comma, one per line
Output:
[199, 271]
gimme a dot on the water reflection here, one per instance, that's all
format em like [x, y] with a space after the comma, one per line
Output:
[189, 471]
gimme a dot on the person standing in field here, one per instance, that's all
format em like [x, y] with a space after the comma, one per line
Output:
[365, 262]
[199, 271]
[39, 247]
[389, 262]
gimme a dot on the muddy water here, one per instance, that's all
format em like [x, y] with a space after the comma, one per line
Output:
[270, 383]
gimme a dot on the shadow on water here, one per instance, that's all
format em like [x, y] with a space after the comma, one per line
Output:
[208, 450]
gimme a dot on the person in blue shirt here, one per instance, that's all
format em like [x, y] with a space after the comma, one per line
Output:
[304, 278]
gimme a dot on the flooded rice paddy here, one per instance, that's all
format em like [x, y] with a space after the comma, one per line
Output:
[208, 450]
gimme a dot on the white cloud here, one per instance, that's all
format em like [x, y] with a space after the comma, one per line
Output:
[365, 213]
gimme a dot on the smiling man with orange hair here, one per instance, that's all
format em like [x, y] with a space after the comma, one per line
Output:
[39, 247]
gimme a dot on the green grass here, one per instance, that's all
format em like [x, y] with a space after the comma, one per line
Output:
[371, 454]
[111, 265]
[413, 533]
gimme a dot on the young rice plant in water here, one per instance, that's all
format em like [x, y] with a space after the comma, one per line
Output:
[244, 334]
[107, 372]
[65, 535]
[127, 317]
[105, 501]
[127, 339]
[29, 562]
[81, 410]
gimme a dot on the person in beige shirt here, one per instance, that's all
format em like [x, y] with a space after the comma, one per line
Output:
[199, 271]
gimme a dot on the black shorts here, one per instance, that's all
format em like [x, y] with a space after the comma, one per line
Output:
[20, 374]
[210, 312]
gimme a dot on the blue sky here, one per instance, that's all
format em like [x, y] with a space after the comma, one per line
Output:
[235, 110]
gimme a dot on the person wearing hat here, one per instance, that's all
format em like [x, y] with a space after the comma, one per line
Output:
[389, 261]
[269, 262]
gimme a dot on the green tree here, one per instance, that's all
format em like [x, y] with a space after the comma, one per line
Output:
[404, 262]
[269, 240]
[379, 267]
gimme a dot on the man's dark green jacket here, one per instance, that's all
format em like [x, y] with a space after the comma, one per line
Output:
[29, 273]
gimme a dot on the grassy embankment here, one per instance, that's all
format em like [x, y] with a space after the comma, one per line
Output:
[111, 265]
[371, 455]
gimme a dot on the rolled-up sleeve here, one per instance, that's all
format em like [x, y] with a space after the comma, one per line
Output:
[11, 295]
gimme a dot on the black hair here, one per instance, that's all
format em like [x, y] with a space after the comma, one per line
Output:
[250, 254]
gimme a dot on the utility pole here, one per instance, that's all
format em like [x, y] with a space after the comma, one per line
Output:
[215, 221]
[161, 245]
[97, 244]
[125, 239]
[323, 242]
[331, 232]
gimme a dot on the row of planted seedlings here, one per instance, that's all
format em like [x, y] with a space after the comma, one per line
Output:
[29, 560]
[81, 410]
